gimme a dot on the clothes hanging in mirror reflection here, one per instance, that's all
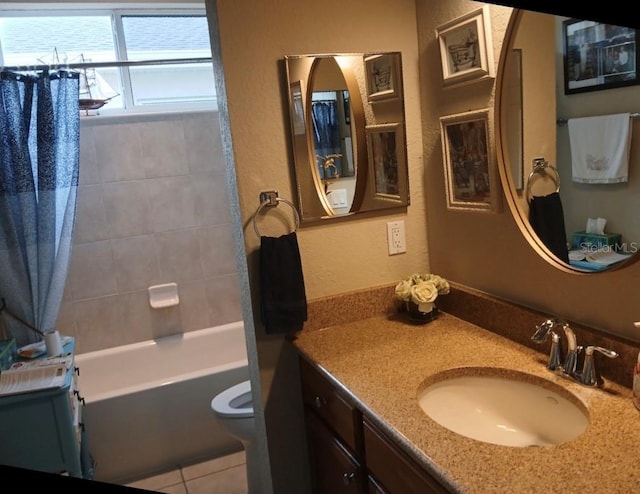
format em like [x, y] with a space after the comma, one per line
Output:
[326, 133]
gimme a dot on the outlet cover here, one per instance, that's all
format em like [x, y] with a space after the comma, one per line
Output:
[396, 237]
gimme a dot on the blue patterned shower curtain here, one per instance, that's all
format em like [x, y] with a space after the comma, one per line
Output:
[39, 155]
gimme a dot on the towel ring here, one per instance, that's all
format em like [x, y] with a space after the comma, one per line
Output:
[541, 166]
[270, 198]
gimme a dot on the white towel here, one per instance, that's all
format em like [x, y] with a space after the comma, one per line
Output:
[600, 148]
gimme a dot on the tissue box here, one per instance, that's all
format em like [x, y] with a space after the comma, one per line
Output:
[8, 353]
[586, 240]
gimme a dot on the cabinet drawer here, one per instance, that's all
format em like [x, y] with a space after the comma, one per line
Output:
[320, 395]
[398, 473]
[335, 471]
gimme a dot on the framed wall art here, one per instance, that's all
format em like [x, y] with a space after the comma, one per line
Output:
[598, 56]
[386, 150]
[383, 76]
[469, 162]
[466, 48]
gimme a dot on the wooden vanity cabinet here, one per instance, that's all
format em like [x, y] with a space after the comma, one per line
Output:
[394, 469]
[334, 436]
[348, 453]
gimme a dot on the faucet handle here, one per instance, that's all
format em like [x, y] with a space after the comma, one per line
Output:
[590, 375]
[543, 329]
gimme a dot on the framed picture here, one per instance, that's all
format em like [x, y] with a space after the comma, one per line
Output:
[386, 150]
[383, 76]
[466, 49]
[469, 164]
[598, 56]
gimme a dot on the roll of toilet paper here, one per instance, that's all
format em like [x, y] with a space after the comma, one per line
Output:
[53, 343]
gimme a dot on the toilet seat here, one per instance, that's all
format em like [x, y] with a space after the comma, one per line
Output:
[234, 402]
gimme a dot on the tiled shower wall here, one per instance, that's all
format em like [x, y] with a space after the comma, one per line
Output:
[152, 209]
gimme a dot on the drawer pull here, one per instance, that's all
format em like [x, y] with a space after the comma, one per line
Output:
[319, 401]
[347, 478]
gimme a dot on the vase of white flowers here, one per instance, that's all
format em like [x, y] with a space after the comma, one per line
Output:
[419, 293]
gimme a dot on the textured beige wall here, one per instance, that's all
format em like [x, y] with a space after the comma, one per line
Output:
[339, 256]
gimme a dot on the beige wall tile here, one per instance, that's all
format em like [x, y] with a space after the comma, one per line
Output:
[127, 208]
[136, 262]
[91, 221]
[179, 256]
[99, 323]
[89, 173]
[163, 149]
[203, 142]
[92, 270]
[210, 199]
[171, 201]
[217, 250]
[194, 307]
[118, 152]
[223, 297]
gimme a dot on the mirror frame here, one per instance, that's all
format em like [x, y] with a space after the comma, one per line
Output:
[312, 200]
[504, 167]
[616, 11]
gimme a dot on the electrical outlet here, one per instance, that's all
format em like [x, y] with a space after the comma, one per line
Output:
[395, 237]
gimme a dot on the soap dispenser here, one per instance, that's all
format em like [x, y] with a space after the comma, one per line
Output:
[636, 377]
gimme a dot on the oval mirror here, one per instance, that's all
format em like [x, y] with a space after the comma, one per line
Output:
[347, 128]
[579, 226]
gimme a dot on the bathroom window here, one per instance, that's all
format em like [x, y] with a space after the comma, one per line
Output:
[136, 37]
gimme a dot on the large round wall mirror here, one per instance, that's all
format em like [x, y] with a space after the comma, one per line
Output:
[556, 86]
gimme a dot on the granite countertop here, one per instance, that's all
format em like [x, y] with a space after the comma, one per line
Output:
[383, 362]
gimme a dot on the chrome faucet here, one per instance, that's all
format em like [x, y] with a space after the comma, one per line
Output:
[589, 375]
[543, 330]
[567, 365]
[571, 359]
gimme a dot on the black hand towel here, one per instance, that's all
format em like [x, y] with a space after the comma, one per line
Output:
[283, 299]
[546, 217]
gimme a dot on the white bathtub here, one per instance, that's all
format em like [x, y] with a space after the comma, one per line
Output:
[148, 405]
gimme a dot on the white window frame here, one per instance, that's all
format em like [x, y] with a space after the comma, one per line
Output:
[117, 11]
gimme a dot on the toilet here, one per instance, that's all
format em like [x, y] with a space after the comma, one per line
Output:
[233, 409]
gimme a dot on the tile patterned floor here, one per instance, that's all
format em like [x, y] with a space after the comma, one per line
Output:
[225, 475]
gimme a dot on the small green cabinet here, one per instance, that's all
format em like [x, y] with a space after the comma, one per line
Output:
[43, 430]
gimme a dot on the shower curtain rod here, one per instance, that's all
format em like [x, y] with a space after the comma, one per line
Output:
[93, 65]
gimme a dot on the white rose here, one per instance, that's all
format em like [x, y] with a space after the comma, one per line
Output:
[441, 284]
[403, 290]
[424, 292]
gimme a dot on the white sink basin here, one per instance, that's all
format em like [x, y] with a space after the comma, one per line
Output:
[504, 407]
